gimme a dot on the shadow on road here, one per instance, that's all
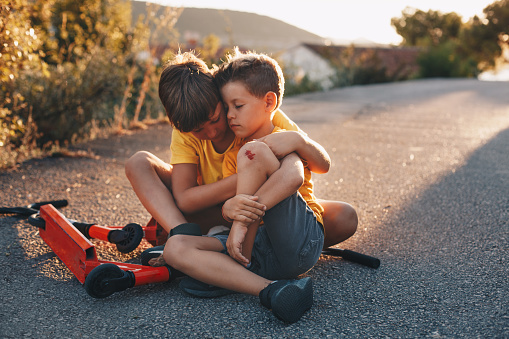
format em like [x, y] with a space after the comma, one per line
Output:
[469, 206]
[448, 249]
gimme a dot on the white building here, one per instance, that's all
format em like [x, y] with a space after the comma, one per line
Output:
[300, 61]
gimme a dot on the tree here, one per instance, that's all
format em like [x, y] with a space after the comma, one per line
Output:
[419, 28]
[162, 21]
[445, 53]
[66, 64]
[467, 48]
[18, 53]
[210, 47]
[497, 15]
[479, 42]
[75, 27]
[485, 39]
[62, 66]
[20, 43]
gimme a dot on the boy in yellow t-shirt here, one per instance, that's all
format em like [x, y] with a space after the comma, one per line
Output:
[191, 188]
[187, 148]
[264, 260]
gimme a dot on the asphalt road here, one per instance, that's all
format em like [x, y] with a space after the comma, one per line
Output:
[426, 165]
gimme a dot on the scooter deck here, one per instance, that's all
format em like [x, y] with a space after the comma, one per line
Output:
[75, 251]
[79, 254]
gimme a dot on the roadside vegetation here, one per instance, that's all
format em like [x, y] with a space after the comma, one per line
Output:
[451, 47]
[74, 70]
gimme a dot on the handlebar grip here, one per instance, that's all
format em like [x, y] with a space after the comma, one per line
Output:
[18, 210]
[55, 203]
[356, 257]
[361, 258]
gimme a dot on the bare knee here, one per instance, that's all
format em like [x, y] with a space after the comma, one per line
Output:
[175, 251]
[340, 222]
[350, 219]
[136, 162]
[256, 154]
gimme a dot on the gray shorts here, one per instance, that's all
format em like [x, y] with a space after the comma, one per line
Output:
[289, 242]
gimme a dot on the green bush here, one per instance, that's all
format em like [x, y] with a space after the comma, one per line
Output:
[370, 74]
[361, 68]
[12, 128]
[65, 103]
[67, 66]
[444, 61]
[305, 85]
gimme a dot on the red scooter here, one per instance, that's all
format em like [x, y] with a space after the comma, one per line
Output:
[69, 240]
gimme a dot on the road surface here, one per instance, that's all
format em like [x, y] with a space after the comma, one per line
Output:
[426, 165]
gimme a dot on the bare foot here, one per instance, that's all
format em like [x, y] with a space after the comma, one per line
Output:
[157, 262]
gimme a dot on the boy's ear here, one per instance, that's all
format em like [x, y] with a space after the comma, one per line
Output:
[270, 101]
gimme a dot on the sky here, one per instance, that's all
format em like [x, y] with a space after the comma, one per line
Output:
[340, 20]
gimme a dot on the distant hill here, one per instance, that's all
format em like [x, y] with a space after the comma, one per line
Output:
[248, 30]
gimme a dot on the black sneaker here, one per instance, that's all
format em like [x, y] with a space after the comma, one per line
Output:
[199, 289]
[151, 253]
[288, 299]
[156, 251]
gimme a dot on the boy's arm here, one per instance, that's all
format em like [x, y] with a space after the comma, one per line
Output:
[191, 197]
[242, 235]
[283, 183]
[280, 185]
[285, 142]
[188, 195]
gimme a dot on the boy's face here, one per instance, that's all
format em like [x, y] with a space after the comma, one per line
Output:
[215, 128]
[246, 113]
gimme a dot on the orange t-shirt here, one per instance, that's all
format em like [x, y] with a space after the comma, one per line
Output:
[306, 190]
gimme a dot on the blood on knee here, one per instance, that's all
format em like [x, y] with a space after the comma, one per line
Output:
[256, 154]
[250, 155]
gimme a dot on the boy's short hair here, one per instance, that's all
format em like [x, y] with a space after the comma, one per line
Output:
[258, 72]
[188, 92]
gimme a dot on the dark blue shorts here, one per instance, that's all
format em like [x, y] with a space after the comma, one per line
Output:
[289, 242]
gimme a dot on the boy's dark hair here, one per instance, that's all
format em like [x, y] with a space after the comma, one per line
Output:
[188, 92]
[258, 72]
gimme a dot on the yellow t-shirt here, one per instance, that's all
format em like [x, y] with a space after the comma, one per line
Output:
[306, 190]
[187, 149]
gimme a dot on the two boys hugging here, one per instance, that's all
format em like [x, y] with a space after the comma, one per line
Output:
[237, 160]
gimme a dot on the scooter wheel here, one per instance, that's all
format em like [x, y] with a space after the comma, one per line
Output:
[134, 236]
[98, 284]
[37, 221]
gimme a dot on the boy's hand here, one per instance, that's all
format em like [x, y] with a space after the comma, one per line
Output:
[282, 143]
[235, 241]
[243, 208]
